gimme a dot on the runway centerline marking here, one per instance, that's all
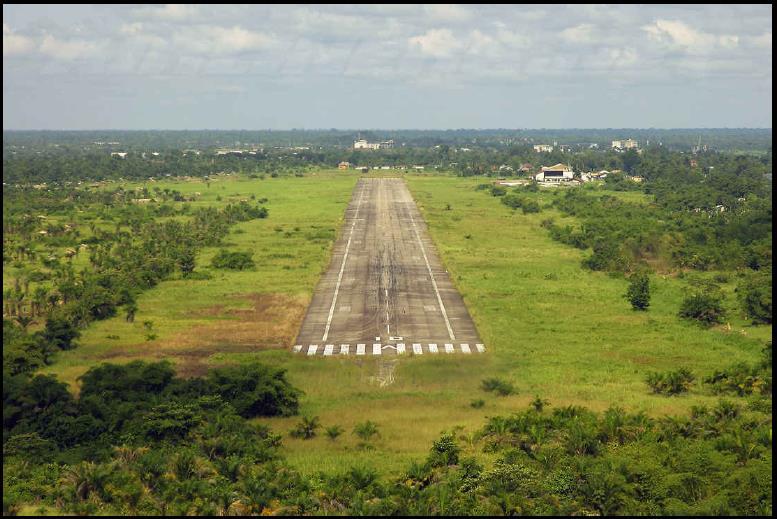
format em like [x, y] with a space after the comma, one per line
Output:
[342, 268]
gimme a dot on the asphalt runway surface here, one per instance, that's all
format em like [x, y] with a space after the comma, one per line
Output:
[385, 291]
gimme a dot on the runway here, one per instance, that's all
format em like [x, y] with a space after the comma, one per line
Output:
[385, 291]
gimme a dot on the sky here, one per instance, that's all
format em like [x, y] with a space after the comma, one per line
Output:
[386, 66]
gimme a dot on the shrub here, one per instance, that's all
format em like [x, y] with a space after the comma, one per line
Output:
[755, 295]
[366, 430]
[306, 429]
[671, 382]
[706, 307]
[444, 452]
[233, 260]
[638, 292]
[478, 403]
[334, 432]
[513, 201]
[530, 206]
[256, 390]
[498, 386]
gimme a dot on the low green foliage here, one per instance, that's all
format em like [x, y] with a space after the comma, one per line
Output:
[498, 386]
[233, 260]
[670, 382]
[704, 305]
[638, 292]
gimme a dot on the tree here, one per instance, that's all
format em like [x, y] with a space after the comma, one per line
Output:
[704, 306]
[755, 294]
[638, 292]
[306, 429]
[366, 430]
[132, 308]
[186, 261]
[61, 333]
[334, 432]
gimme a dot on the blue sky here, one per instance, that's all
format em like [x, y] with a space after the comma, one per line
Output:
[392, 66]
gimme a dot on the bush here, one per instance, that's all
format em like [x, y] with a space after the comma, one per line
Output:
[638, 292]
[498, 386]
[256, 390]
[531, 206]
[671, 382]
[755, 295]
[706, 307]
[478, 403]
[233, 260]
[366, 430]
[513, 201]
[334, 432]
[444, 452]
[306, 429]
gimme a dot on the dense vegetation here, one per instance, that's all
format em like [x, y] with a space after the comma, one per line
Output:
[140, 441]
[138, 438]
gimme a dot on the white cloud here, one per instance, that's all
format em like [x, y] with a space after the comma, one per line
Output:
[764, 40]
[447, 12]
[582, 33]
[220, 40]
[16, 44]
[678, 34]
[439, 43]
[66, 49]
[168, 12]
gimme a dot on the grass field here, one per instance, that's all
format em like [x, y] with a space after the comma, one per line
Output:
[550, 327]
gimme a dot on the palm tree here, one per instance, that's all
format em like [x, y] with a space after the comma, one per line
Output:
[306, 429]
[24, 321]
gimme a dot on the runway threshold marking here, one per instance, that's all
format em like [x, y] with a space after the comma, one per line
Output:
[431, 275]
[342, 268]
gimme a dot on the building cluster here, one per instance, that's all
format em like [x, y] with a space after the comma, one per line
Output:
[364, 169]
[625, 144]
[363, 144]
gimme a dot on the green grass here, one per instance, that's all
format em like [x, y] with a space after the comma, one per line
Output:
[550, 327]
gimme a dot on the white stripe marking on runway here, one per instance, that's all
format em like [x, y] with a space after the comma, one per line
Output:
[342, 268]
[433, 348]
[360, 349]
[329, 349]
[376, 349]
[481, 348]
[344, 349]
[312, 349]
[297, 348]
[400, 348]
[417, 349]
[449, 348]
[465, 348]
[434, 283]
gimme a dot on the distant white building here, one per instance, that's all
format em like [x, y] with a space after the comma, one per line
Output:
[120, 154]
[625, 144]
[557, 173]
[363, 144]
[543, 148]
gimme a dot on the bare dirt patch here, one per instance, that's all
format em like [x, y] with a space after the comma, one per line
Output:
[271, 321]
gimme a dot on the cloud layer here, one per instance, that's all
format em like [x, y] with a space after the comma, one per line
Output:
[111, 51]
